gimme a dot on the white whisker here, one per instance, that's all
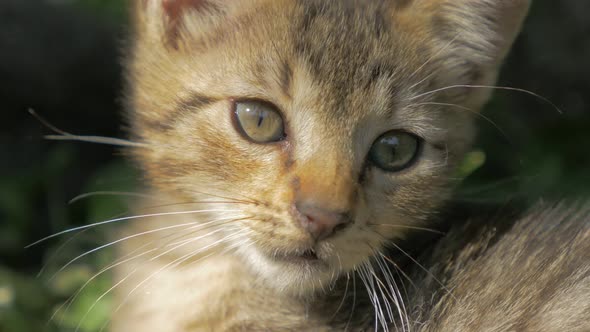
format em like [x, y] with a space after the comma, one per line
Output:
[115, 242]
[57, 251]
[101, 297]
[408, 227]
[109, 193]
[65, 136]
[488, 87]
[428, 61]
[398, 269]
[396, 295]
[424, 269]
[124, 219]
[172, 264]
[98, 140]
[343, 297]
[217, 222]
[479, 114]
[184, 243]
[353, 300]
[96, 275]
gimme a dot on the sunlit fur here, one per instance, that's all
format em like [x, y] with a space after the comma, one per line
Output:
[341, 73]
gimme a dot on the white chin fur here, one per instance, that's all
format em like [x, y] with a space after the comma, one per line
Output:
[298, 279]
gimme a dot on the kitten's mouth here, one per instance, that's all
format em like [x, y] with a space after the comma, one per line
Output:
[307, 256]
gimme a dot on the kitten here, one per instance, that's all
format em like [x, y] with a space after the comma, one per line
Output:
[288, 145]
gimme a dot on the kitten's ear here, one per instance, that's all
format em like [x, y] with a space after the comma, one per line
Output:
[485, 29]
[476, 35]
[164, 21]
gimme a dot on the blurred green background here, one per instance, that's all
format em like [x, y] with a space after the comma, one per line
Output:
[61, 58]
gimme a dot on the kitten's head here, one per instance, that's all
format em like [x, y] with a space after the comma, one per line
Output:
[335, 125]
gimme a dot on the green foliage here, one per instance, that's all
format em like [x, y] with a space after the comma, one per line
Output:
[23, 296]
[472, 161]
[113, 9]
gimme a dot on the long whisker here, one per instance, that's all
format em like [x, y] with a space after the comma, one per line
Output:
[408, 227]
[109, 193]
[379, 315]
[397, 297]
[384, 295]
[118, 241]
[398, 269]
[353, 301]
[65, 136]
[447, 45]
[73, 298]
[425, 269]
[197, 223]
[57, 251]
[432, 58]
[479, 114]
[490, 186]
[162, 269]
[365, 282]
[84, 230]
[171, 264]
[101, 297]
[190, 255]
[183, 243]
[111, 266]
[123, 219]
[124, 259]
[388, 292]
[343, 297]
[244, 198]
[199, 228]
[97, 139]
[489, 87]
[413, 260]
[111, 289]
[152, 197]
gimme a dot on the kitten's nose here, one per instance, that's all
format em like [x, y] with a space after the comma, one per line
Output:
[320, 223]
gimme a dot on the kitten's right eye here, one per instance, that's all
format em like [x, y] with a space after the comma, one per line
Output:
[395, 150]
[259, 121]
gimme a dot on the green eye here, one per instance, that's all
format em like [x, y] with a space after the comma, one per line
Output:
[394, 151]
[259, 122]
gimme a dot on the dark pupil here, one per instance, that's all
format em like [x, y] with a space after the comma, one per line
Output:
[261, 116]
[394, 151]
[390, 145]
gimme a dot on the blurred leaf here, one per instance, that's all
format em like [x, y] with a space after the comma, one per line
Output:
[472, 161]
[24, 303]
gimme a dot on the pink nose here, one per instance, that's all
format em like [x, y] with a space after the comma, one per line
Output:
[318, 222]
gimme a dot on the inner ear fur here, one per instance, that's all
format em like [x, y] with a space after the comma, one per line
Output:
[472, 38]
[483, 29]
[163, 22]
[174, 8]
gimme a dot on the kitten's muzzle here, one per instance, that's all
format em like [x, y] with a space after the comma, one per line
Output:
[320, 223]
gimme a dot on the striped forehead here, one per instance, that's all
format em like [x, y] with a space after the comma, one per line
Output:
[347, 50]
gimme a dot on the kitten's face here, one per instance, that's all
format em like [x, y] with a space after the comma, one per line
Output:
[315, 117]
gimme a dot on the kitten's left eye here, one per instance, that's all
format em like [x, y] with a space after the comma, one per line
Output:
[260, 122]
[394, 151]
